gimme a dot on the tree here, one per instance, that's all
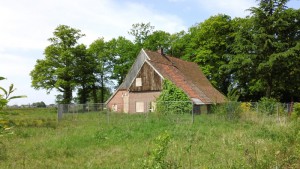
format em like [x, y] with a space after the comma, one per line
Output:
[57, 70]
[209, 45]
[123, 53]
[242, 63]
[39, 104]
[158, 40]
[85, 73]
[179, 43]
[141, 31]
[272, 49]
[99, 51]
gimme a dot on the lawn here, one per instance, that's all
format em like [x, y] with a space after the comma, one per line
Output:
[96, 140]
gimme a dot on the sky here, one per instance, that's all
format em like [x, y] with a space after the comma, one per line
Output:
[27, 24]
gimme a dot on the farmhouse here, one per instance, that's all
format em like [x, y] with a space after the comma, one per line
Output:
[143, 83]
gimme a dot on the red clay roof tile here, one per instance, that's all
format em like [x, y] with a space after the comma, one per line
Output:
[187, 76]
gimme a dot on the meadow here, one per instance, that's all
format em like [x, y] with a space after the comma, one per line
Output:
[32, 138]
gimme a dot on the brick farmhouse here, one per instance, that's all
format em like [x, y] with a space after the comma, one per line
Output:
[143, 84]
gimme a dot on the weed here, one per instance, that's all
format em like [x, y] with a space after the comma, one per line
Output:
[156, 158]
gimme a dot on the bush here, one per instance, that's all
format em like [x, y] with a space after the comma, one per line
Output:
[297, 109]
[268, 105]
[229, 110]
[245, 107]
[157, 157]
[296, 112]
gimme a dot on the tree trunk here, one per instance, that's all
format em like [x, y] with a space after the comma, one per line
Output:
[269, 89]
[67, 96]
[95, 98]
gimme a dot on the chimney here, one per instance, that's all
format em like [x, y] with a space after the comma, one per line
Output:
[162, 52]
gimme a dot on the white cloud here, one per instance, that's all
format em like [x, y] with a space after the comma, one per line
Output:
[233, 8]
[27, 24]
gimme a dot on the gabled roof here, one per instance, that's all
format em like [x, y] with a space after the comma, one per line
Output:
[185, 75]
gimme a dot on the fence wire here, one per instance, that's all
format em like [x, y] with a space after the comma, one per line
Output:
[101, 110]
[175, 110]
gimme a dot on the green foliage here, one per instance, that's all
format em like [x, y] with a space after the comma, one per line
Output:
[268, 105]
[141, 31]
[173, 100]
[123, 53]
[296, 112]
[267, 51]
[158, 40]
[232, 94]
[6, 97]
[209, 45]
[38, 104]
[229, 110]
[57, 70]
[156, 159]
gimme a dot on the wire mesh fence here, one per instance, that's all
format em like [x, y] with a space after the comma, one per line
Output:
[258, 111]
[176, 111]
[101, 110]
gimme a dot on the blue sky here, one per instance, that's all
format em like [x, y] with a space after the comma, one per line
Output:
[27, 24]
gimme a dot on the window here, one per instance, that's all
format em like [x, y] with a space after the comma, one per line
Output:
[114, 107]
[139, 107]
[138, 82]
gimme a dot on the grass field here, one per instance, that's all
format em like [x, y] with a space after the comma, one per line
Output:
[95, 140]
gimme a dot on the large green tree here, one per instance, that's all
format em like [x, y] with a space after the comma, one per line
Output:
[271, 38]
[57, 69]
[99, 51]
[158, 40]
[209, 45]
[123, 53]
[85, 73]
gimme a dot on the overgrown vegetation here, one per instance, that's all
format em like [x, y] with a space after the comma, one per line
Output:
[95, 140]
[172, 100]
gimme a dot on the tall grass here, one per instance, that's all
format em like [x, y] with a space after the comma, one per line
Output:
[90, 140]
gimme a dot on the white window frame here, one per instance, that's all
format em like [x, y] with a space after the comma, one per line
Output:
[138, 82]
[139, 107]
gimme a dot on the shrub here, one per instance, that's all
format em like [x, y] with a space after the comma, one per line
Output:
[268, 105]
[297, 109]
[156, 158]
[229, 110]
[245, 107]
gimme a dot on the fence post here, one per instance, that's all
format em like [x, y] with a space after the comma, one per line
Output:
[59, 112]
[193, 117]
[107, 115]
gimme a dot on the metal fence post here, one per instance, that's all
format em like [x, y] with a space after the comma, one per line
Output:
[107, 115]
[59, 112]
[193, 117]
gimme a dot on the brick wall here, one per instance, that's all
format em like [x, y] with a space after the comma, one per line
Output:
[137, 98]
[116, 103]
